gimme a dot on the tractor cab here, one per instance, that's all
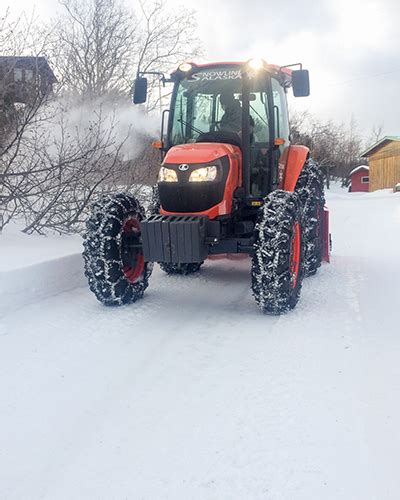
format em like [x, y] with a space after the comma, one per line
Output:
[241, 104]
[209, 105]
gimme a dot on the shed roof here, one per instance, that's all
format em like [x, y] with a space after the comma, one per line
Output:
[357, 169]
[379, 144]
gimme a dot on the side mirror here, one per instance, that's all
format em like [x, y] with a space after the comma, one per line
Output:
[139, 91]
[301, 83]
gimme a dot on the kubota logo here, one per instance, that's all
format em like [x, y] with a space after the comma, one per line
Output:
[183, 167]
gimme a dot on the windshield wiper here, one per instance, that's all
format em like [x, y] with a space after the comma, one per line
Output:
[181, 115]
[184, 122]
[258, 114]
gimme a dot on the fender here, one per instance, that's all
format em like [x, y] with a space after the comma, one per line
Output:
[291, 163]
[290, 166]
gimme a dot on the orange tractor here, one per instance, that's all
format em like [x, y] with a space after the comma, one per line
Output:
[230, 182]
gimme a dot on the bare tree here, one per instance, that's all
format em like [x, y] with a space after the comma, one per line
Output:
[51, 166]
[20, 100]
[377, 133]
[166, 38]
[57, 167]
[16, 33]
[92, 50]
[104, 44]
[334, 147]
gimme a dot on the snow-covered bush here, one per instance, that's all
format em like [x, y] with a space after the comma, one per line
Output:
[63, 157]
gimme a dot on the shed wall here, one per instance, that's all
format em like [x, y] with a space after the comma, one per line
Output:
[357, 185]
[384, 167]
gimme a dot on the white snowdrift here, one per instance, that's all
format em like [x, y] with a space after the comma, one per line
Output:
[25, 285]
[33, 268]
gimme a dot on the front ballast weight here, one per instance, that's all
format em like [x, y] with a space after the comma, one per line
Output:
[187, 239]
[176, 239]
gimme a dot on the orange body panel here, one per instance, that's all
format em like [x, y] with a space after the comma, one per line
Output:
[290, 165]
[200, 152]
[205, 152]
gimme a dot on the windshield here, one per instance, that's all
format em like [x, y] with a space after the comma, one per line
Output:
[211, 101]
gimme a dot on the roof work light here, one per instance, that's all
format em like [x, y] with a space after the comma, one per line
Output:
[256, 64]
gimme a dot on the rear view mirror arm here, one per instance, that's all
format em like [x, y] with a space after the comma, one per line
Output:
[163, 79]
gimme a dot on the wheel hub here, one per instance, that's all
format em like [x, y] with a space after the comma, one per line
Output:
[131, 250]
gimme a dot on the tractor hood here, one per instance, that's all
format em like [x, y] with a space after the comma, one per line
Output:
[202, 152]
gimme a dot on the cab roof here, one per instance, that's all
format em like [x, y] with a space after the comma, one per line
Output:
[274, 67]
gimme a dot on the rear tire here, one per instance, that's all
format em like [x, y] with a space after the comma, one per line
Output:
[154, 202]
[278, 265]
[183, 269]
[310, 189]
[114, 263]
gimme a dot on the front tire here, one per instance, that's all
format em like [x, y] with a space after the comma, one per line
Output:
[310, 189]
[113, 256]
[278, 264]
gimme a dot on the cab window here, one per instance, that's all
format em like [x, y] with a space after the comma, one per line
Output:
[280, 111]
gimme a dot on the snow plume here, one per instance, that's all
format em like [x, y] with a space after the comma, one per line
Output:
[118, 118]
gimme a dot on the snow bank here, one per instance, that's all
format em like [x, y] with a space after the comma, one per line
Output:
[23, 286]
[19, 250]
[36, 267]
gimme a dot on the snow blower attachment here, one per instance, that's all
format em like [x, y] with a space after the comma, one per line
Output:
[230, 182]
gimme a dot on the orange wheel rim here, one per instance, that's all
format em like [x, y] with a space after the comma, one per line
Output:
[295, 251]
[134, 271]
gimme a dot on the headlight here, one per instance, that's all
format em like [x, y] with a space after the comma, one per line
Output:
[204, 174]
[167, 175]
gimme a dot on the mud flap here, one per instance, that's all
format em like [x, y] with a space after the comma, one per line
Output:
[326, 237]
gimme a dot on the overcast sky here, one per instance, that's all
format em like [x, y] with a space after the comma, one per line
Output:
[351, 47]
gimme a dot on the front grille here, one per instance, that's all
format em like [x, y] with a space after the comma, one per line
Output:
[184, 196]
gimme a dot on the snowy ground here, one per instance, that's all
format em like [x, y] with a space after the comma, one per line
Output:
[192, 394]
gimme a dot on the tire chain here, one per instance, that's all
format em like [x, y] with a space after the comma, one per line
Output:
[103, 264]
[310, 189]
[271, 275]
